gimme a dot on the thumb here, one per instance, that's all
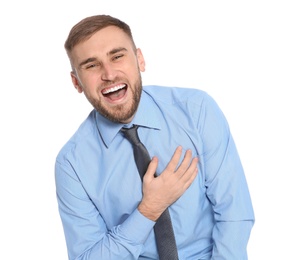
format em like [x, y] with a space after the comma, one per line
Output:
[151, 169]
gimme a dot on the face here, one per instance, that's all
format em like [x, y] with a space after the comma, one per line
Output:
[107, 69]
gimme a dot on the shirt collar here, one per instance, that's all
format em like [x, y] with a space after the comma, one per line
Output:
[147, 115]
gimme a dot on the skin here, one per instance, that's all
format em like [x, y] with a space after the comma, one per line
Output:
[108, 61]
[104, 62]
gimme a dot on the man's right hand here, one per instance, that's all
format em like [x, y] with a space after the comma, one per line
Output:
[160, 192]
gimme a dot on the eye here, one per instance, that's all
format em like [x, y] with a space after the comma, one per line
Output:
[118, 56]
[91, 65]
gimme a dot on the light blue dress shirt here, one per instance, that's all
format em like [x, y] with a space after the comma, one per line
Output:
[99, 188]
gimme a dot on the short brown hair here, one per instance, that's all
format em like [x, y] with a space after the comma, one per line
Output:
[90, 25]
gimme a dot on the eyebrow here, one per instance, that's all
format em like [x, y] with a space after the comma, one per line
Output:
[117, 50]
[112, 52]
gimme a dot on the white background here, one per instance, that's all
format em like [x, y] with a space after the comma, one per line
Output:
[246, 54]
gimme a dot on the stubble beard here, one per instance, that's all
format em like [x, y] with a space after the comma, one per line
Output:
[120, 113]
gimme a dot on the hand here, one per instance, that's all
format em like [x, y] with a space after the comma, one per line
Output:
[160, 192]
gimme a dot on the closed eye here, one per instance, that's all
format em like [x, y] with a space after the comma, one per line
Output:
[89, 63]
[90, 66]
[118, 57]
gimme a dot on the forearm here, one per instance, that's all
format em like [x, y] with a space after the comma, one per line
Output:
[91, 234]
[124, 241]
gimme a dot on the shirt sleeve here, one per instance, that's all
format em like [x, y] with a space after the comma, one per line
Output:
[86, 234]
[226, 186]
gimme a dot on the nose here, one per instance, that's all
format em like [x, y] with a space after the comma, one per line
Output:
[108, 72]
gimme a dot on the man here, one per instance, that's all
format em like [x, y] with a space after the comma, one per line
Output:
[108, 211]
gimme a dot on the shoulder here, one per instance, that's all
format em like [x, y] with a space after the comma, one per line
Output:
[192, 102]
[173, 95]
[84, 132]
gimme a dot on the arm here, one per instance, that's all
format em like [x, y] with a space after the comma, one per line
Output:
[86, 233]
[226, 186]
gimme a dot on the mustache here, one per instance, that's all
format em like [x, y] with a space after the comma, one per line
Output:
[112, 82]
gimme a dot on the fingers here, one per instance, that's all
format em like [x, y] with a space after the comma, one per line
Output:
[174, 160]
[186, 167]
[162, 191]
[185, 162]
[187, 170]
[189, 175]
[151, 169]
[183, 169]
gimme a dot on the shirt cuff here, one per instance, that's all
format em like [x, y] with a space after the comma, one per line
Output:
[137, 226]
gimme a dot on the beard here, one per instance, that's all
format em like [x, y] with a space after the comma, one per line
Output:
[120, 113]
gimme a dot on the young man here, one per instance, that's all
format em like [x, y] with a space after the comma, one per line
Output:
[108, 211]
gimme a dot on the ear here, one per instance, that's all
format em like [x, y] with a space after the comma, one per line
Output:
[141, 60]
[75, 82]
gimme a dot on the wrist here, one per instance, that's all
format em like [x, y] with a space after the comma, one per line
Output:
[148, 212]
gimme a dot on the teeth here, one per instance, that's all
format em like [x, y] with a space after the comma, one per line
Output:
[116, 88]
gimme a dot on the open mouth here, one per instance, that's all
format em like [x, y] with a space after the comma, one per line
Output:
[115, 93]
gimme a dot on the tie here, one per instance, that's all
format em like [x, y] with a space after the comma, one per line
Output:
[165, 240]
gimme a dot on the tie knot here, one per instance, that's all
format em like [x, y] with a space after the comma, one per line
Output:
[131, 134]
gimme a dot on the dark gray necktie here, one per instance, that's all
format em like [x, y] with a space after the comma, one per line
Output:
[165, 240]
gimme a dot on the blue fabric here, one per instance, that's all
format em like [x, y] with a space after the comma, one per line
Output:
[99, 188]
